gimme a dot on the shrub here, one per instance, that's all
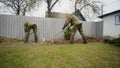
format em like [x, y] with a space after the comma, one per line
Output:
[107, 39]
[111, 40]
[67, 33]
[115, 41]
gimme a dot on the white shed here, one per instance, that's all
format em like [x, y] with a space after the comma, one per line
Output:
[111, 24]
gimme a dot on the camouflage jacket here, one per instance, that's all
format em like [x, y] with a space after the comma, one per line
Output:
[27, 24]
[71, 19]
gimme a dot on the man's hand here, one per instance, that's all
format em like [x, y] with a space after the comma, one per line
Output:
[63, 30]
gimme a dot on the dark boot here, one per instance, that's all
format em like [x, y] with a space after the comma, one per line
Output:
[85, 42]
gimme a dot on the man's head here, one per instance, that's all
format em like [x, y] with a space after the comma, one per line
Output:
[76, 12]
[66, 15]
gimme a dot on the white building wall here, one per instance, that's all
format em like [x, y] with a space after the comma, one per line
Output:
[109, 26]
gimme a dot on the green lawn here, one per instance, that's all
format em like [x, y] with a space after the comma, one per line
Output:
[91, 55]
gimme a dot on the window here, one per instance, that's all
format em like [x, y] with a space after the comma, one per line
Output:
[117, 19]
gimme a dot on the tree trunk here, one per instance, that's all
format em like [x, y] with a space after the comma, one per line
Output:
[49, 13]
[18, 10]
[50, 6]
[75, 5]
[24, 11]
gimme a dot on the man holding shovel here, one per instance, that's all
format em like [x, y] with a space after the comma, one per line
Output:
[75, 22]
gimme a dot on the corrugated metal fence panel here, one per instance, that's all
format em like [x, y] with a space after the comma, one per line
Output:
[13, 27]
[99, 29]
[89, 28]
[53, 28]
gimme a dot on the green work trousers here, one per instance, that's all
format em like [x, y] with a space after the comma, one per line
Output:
[74, 30]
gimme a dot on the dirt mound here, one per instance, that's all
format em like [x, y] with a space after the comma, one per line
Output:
[89, 39]
[4, 39]
[11, 41]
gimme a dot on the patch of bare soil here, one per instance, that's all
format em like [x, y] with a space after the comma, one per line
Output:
[89, 39]
[15, 42]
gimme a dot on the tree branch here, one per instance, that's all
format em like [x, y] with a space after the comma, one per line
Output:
[54, 4]
[84, 6]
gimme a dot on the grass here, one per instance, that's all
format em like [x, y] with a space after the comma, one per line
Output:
[91, 55]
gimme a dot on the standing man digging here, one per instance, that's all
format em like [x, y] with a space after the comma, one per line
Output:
[75, 22]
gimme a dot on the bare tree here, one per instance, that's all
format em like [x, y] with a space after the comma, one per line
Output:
[95, 8]
[50, 5]
[20, 7]
[88, 5]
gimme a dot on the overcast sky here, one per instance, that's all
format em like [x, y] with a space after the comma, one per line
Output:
[66, 7]
[111, 5]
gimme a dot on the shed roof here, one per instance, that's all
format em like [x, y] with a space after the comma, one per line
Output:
[107, 14]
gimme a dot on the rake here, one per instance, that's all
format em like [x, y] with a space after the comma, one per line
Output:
[53, 36]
